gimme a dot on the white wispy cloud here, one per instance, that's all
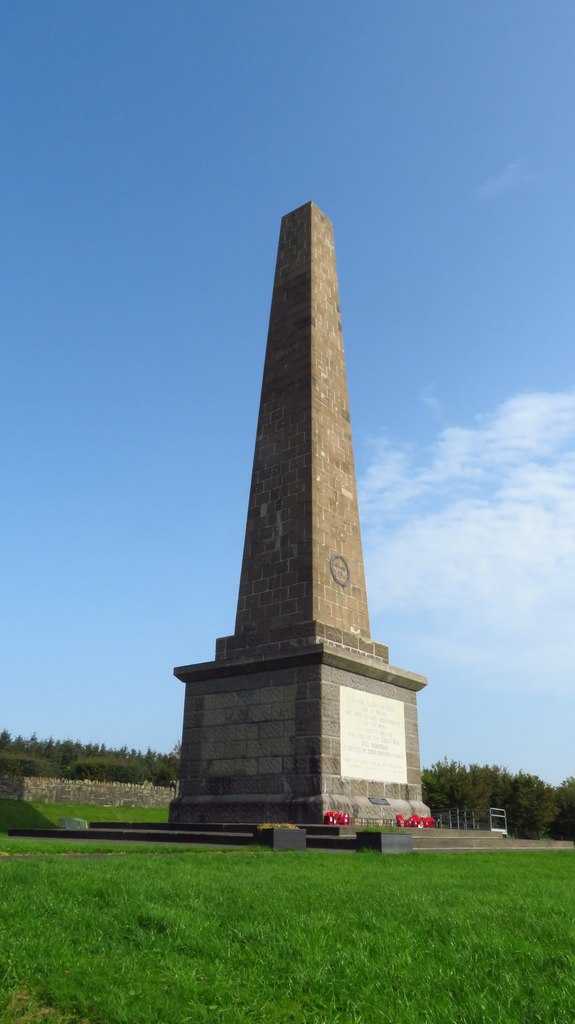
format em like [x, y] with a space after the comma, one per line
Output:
[478, 533]
[512, 176]
[430, 400]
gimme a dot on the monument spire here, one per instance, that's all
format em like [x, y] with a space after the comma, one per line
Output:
[302, 557]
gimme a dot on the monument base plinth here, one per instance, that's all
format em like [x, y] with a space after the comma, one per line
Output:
[288, 737]
[277, 809]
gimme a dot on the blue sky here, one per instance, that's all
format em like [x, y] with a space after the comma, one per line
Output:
[148, 152]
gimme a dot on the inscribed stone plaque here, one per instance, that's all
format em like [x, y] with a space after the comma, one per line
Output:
[372, 737]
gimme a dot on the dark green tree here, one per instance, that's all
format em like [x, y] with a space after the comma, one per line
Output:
[445, 785]
[72, 759]
[563, 825]
[531, 806]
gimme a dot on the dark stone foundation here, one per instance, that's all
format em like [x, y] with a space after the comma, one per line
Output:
[262, 739]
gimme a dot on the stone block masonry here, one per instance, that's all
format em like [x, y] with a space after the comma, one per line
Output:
[301, 711]
[303, 512]
[81, 791]
[264, 741]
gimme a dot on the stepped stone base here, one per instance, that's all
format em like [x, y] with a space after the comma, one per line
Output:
[317, 837]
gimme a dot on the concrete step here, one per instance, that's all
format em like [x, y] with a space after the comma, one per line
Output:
[457, 839]
[466, 844]
[208, 838]
[166, 826]
[448, 835]
[331, 838]
[213, 826]
[337, 843]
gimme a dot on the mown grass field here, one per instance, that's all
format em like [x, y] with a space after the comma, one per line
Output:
[19, 814]
[25, 814]
[261, 938]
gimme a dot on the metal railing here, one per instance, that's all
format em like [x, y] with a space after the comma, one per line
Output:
[489, 819]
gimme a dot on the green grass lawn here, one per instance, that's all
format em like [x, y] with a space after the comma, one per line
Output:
[264, 938]
[22, 814]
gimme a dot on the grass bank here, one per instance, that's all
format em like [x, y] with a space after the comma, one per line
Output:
[266, 938]
[24, 814]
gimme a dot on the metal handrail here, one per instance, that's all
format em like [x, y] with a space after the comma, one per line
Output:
[490, 819]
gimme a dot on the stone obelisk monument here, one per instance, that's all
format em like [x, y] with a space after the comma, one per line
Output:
[300, 712]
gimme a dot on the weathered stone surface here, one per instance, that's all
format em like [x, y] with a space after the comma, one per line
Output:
[262, 723]
[303, 508]
[84, 791]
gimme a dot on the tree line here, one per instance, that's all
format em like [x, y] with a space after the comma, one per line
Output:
[70, 759]
[534, 808]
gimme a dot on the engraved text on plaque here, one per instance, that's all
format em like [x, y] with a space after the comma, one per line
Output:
[372, 737]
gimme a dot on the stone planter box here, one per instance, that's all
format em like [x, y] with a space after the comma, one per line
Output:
[282, 838]
[385, 842]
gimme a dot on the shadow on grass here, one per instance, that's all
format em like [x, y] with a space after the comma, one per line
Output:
[19, 814]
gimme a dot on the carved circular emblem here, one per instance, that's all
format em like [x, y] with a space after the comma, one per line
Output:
[339, 570]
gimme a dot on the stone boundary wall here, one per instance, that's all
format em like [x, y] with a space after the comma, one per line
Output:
[84, 791]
